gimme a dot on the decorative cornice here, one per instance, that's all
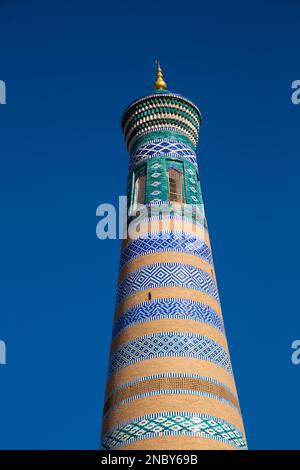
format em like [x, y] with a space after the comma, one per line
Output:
[161, 112]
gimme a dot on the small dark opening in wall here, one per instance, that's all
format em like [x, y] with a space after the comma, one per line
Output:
[149, 296]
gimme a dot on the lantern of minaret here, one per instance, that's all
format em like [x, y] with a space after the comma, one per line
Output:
[170, 382]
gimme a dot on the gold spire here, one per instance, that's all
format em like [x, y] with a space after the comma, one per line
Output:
[160, 84]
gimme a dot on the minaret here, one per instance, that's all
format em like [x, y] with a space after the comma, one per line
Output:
[170, 383]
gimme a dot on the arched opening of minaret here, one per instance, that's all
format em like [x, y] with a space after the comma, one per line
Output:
[175, 185]
[140, 189]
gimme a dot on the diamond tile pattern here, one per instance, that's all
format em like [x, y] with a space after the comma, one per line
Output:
[169, 344]
[160, 424]
[167, 274]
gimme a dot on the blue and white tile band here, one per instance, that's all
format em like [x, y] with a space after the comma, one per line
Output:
[174, 424]
[169, 344]
[168, 148]
[166, 241]
[158, 309]
[167, 275]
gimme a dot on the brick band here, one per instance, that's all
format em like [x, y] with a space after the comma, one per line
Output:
[169, 384]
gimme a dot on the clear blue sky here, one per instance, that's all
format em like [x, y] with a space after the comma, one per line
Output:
[70, 68]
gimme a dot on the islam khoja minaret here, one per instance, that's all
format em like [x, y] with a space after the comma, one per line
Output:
[170, 383]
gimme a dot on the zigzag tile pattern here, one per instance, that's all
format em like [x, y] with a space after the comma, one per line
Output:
[168, 344]
[166, 275]
[157, 309]
[166, 241]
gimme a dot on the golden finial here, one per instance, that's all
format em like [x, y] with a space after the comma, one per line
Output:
[160, 84]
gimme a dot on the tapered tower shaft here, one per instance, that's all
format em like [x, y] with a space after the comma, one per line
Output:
[170, 382]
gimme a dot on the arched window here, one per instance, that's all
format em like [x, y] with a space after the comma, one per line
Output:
[139, 189]
[175, 185]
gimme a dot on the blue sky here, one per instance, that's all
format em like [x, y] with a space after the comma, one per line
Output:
[70, 69]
